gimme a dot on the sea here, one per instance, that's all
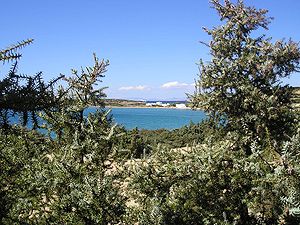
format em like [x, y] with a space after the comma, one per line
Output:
[156, 118]
[148, 118]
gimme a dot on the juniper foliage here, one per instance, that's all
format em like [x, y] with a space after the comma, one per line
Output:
[11, 53]
[249, 174]
[241, 83]
[242, 171]
[23, 96]
[65, 177]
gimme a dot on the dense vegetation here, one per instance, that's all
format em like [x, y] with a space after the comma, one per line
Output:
[241, 166]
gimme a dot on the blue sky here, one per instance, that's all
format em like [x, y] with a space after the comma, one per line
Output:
[153, 45]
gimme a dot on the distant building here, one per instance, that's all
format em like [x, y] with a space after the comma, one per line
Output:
[160, 104]
[165, 104]
[180, 106]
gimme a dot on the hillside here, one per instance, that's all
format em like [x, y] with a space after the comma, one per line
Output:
[124, 103]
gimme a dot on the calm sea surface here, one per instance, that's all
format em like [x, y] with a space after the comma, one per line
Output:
[155, 118]
[149, 118]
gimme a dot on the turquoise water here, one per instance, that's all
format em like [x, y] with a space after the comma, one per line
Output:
[149, 118]
[155, 118]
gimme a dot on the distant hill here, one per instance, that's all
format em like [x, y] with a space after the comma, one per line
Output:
[124, 103]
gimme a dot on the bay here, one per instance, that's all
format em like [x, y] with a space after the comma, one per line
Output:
[156, 118]
[146, 118]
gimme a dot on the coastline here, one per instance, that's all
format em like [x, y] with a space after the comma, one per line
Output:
[149, 107]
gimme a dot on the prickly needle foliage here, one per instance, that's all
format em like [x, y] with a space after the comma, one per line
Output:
[10, 53]
[211, 184]
[25, 96]
[199, 185]
[79, 94]
[85, 143]
[27, 177]
[22, 94]
[65, 180]
[241, 83]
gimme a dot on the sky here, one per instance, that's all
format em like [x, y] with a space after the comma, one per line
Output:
[153, 45]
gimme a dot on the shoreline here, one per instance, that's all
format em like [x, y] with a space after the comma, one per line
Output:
[149, 107]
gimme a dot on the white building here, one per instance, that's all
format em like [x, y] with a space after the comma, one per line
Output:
[181, 106]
